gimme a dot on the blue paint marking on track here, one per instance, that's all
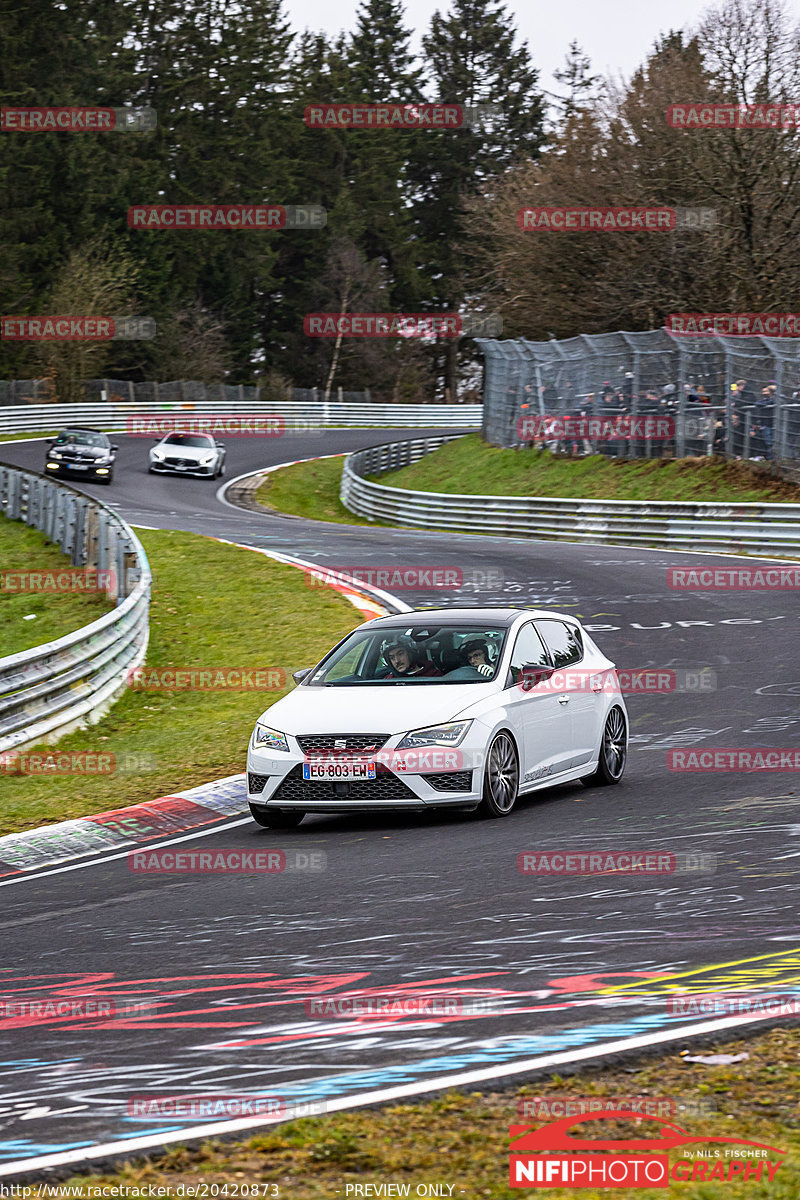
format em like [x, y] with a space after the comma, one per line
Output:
[361, 1081]
[522, 1047]
[513, 1048]
[24, 1148]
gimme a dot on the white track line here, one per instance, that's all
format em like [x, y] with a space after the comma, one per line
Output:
[99, 862]
[380, 1096]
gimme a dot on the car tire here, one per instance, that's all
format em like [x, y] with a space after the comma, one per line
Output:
[276, 818]
[108, 479]
[500, 777]
[613, 752]
[222, 469]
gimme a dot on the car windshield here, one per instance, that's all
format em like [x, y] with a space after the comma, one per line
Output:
[199, 440]
[431, 654]
[82, 437]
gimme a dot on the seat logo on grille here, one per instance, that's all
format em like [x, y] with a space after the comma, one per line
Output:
[340, 743]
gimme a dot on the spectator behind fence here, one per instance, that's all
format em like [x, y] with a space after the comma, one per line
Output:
[743, 395]
[763, 423]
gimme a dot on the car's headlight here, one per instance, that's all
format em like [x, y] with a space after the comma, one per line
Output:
[103, 460]
[55, 454]
[207, 459]
[157, 454]
[435, 735]
[265, 738]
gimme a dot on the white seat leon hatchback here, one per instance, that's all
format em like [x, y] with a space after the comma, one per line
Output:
[440, 708]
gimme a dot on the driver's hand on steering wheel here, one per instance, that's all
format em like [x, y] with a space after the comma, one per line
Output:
[484, 669]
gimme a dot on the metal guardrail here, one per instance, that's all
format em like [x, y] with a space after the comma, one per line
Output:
[766, 529]
[50, 690]
[297, 416]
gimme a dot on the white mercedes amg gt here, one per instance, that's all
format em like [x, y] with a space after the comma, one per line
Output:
[458, 708]
[188, 454]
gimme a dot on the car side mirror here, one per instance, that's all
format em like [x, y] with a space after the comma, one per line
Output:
[299, 676]
[219, 444]
[533, 674]
[50, 441]
[113, 447]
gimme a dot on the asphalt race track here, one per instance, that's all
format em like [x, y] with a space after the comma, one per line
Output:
[225, 965]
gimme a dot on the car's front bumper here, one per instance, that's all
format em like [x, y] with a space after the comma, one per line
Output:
[443, 780]
[79, 470]
[160, 468]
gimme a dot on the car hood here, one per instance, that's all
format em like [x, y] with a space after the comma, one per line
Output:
[195, 453]
[80, 451]
[389, 709]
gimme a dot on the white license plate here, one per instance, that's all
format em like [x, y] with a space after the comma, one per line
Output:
[330, 768]
[77, 467]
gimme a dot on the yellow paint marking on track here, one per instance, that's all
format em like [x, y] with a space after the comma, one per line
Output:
[789, 959]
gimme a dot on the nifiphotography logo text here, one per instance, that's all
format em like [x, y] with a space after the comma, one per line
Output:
[574, 1153]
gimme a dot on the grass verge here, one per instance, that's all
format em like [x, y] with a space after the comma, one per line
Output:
[214, 606]
[471, 467]
[461, 1139]
[26, 437]
[29, 619]
[309, 490]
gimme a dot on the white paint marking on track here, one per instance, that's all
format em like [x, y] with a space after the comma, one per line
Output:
[380, 1096]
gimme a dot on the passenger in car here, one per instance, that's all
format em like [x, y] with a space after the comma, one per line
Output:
[404, 658]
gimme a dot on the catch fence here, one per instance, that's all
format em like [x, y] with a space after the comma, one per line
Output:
[736, 397]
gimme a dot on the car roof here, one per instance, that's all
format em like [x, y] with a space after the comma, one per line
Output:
[467, 616]
[81, 429]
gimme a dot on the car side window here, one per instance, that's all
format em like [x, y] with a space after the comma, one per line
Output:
[563, 642]
[348, 664]
[528, 651]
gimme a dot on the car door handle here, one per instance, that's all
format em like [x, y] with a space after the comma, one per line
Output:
[563, 699]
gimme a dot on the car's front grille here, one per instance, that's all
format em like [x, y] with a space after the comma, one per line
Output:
[450, 781]
[180, 462]
[256, 783]
[385, 786]
[311, 743]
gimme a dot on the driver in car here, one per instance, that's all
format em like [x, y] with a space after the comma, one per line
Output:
[476, 654]
[402, 657]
